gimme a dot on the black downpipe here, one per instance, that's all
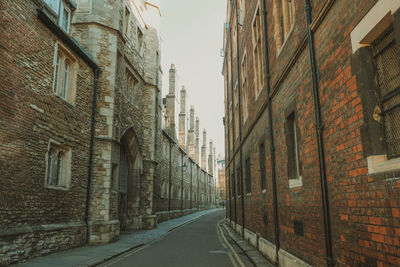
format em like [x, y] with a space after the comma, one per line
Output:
[240, 114]
[233, 113]
[271, 137]
[91, 149]
[191, 187]
[170, 175]
[182, 185]
[319, 128]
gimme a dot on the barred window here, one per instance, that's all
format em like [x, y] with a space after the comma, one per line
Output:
[239, 181]
[257, 53]
[262, 166]
[248, 176]
[244, 87]
[387, 67]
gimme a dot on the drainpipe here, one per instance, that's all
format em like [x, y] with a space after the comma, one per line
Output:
[191, 188]
[271, 136]
[170, 175]
[319, 127]
[182, 185]
[233, 115]
[91, 149]
[240, 115]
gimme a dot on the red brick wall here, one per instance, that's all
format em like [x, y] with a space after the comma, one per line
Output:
[363, 208]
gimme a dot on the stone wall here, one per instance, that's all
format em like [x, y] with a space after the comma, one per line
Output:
[180, 185]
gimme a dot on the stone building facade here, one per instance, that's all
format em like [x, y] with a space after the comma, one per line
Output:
[47, 86]
[181, 185]
[127, 47]
[312, 129]
[82, 141]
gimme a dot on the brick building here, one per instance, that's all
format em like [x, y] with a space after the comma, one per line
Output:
[47, 86]
[312, 129]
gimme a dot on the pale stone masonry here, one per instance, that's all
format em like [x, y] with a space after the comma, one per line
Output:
[191, 134]
[182, 120]
[204, 150]
[197, 141]
[170, 99]
[210, 159]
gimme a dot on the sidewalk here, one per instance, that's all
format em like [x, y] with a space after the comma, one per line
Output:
[93, 255]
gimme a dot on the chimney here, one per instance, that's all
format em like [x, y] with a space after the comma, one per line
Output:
[191, 133]
[204, 151]
[210, 159]
[197, 141]
[170, 108]
[182, 119]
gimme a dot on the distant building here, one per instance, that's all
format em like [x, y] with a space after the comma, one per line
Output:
[221, 178]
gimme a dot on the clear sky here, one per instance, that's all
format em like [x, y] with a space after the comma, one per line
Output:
[192, 36]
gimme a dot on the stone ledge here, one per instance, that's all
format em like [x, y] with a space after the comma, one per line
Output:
[18, 230]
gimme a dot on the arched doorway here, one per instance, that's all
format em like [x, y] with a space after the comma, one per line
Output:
[130, 172]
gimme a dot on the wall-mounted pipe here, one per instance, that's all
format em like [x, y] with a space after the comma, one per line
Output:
[271, 136]
[240, 114]
[319, 128]
[91, 150]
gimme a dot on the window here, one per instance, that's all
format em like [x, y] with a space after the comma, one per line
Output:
[236, 111]
[131, 87]
[233, 185]
[257, 53]
[387, 67]
[58, 166]
[63, 12]
[65, 70]
[239, 181]
[292, 139]
[248, 176]
[241, 11]
[127, 21]
[140, 39]
[284, 19]
[234, 40]
[244, 87]
[262, 166]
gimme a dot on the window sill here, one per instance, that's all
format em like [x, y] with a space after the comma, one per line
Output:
[380, 164]
[293, 183]
[72, 105]
[264, 191]
[248, 195]
[55, 187]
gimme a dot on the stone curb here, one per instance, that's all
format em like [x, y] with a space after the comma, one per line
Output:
[96, 262]
[252, 253]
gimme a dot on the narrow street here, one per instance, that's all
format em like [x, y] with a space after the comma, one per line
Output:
[198, 243]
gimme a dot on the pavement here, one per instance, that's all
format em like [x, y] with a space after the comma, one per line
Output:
[196, 244]
[201, 234]
[95, 255]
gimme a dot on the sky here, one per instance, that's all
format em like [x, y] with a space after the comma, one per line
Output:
[192, 36]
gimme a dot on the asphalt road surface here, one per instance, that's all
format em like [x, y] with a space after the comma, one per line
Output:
[198, 243]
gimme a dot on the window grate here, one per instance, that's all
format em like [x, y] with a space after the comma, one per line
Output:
[387, 65]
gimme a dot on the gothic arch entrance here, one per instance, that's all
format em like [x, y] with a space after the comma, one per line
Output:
[130, 173]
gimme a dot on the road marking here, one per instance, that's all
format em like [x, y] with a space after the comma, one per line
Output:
[126, 255]
[224, 240]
